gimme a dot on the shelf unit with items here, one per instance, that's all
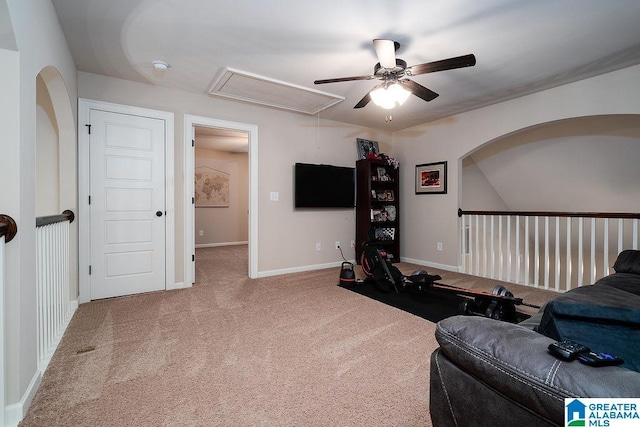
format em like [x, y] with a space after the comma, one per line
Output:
[377, 206]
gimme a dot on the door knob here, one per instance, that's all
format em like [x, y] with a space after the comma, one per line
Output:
[159, 213]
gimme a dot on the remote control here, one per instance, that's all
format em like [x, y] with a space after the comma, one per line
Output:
[567, 350]
[599, 359]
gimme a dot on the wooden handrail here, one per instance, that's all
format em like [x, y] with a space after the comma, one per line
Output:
[67, 215]
[8, 228]
[623, 215]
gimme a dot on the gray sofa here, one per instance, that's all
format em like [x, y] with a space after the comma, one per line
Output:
[488, 372]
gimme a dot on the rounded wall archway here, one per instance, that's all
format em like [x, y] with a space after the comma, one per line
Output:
[578, 164]
[56, 157]
[55, 145]
[583, 164]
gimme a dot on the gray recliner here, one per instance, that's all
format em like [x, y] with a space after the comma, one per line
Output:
[488, 373]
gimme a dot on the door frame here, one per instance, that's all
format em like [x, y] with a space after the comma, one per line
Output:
[189, 208]
[84, 228]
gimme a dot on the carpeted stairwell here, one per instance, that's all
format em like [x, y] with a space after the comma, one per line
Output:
[230, 351]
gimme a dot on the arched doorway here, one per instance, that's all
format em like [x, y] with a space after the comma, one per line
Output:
[56, 158]
[580, 164]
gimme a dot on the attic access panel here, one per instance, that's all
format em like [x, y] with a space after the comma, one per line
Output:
[244, 86]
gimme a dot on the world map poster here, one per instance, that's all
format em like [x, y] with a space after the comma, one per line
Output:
[212, 189]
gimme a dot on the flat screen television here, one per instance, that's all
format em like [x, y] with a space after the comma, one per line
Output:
[324, 186]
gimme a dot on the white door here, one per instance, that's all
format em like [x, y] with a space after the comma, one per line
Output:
[127, 204]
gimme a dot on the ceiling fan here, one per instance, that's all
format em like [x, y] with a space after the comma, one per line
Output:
[395, 87]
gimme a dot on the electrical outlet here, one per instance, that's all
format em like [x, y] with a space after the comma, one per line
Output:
[201, 233]
[439, 246]
[318, 246]
[337, 244]
[353, 244]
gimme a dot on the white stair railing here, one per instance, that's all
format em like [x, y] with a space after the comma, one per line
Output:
[550, 250]
[54, 307]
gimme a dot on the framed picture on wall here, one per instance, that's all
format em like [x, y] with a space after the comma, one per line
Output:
[431, 178]
[211, 188]
[366, 147]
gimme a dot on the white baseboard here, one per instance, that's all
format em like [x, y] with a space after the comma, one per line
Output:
[430, 264]
[215, 245]
[301, 269]
[14, 413]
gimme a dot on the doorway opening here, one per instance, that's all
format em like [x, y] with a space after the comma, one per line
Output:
[221, 191]
[221, 171]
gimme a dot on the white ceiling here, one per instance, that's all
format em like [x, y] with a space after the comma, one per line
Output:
[521, 46]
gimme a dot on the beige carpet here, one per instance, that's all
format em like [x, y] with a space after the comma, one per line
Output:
[281, 351]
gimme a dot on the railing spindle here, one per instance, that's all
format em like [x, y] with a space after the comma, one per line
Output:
[580, 251]
[557, 252]
[620, 234]
[546, 252]
[484, 246]
[605, 244]
[517, 230]
[493, 251]
[509, 259]
[536, 256]
[593, 250]
[463, 245]
[500, 259]
[478, 245]
[568, 285]
[527, 278]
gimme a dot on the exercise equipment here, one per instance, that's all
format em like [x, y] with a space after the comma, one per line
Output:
[500, 304]
[347, 274]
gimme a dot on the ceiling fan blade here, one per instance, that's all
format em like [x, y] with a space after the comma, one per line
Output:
[445, 64]
[343, 79]
[386, 51]
[419, 90]
[365, 100]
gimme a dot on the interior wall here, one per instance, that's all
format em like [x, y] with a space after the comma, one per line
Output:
[10, 205]
[477, 193]
[47, 160]
[428, 219]
[40, 44]
[224, 225]
[582, 164]
[286, 237]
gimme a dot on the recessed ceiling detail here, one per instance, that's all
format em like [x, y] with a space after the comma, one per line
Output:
[257, 89]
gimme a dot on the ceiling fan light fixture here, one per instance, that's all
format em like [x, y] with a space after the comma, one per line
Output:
[381, 98]
[398, 93]
[389, 96]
